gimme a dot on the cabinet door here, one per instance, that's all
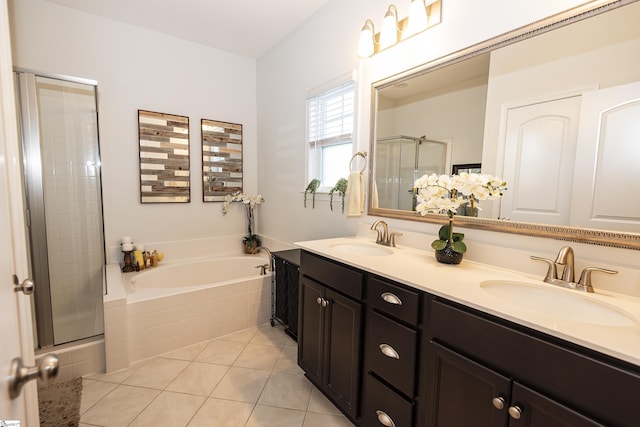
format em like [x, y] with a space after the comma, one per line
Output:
[311, 329]
[342, 351]
[461, 392]
[531, 409]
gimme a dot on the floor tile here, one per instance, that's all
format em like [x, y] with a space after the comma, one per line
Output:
[288, 362]
[314, 419]
[241, 384]
[120, 406]
[198, 378]
[186, 353]
[286, 391]
[92, 392]
[221, 352]
[268, 416]
[170, 410]
[255, 356]
[319, 403]
[157, 373]
[268, 335]
[243, 336]
[219, 412]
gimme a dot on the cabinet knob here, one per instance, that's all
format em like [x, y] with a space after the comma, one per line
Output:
[319, 301]
[391, 298]
[515, 412]
[498, 402]
[385, 419]
[325, 302]
[389, 351]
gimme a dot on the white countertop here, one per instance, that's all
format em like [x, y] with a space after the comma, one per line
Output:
[461, 283]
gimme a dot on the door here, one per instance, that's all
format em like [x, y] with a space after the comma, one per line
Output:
[311, 330]
[531, 409]
[342, 350]
[462, 393]
[540, 144]
[607, 160]
[16, 327]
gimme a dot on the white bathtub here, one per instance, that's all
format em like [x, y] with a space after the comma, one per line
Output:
[176, 278]
[179, 304]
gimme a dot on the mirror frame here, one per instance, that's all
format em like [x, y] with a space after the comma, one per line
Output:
[626, 240]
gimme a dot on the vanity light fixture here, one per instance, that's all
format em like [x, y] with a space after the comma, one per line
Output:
[390, 31]
[423, 14]
[418, 20]
[366, 45]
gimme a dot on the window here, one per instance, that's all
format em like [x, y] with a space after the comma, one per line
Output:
[330, 133]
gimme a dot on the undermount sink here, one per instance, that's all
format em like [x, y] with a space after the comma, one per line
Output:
[558, 303]
[361, 248]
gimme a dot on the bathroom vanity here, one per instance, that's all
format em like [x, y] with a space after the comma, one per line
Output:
[395, 339]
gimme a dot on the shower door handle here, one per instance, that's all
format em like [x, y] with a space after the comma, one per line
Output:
[46, 369]
[26, 286]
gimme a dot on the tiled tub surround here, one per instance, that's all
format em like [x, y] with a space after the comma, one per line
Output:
[147, 322]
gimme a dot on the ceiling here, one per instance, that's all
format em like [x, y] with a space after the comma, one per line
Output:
[243, 27]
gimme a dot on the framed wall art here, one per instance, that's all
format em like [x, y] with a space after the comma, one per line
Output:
[164, 158]
[221, 159]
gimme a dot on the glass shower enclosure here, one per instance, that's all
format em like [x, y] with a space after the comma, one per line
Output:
[62, 184]
[400, 160]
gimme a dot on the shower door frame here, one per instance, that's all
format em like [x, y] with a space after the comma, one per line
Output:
[29, 127]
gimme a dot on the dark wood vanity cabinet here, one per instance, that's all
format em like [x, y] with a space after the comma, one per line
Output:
[483, 371]
[287, 277]
[329, 330]
[391, 354]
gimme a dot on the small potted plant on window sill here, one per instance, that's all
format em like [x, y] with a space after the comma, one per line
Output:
[312, 187]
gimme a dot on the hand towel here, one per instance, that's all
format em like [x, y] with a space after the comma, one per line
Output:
[374, 195]
[355, 194]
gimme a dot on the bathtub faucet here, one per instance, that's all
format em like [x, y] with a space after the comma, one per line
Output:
[264, 248]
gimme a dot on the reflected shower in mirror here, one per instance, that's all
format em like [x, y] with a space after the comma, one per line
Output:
[547, 108]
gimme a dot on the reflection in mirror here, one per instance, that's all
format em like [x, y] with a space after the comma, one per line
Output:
[550, 114]
[164, 157]
[221, 159]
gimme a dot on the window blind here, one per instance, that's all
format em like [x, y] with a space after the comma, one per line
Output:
[331, 115]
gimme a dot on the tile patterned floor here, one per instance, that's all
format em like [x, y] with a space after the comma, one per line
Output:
[249, 378]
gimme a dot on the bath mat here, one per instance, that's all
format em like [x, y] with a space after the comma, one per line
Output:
[59, 403]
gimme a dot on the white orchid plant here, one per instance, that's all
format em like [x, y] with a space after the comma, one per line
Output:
[446, 194]
[249, 202]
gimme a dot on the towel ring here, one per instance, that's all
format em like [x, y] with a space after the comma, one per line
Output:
[362, 154]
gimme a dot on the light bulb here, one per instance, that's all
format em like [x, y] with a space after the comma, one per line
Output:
[389, 32]
[366, 42]
[417, 18]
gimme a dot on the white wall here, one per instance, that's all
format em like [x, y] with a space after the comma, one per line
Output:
[140, 69]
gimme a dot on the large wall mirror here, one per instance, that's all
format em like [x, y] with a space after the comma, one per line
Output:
[553, 108]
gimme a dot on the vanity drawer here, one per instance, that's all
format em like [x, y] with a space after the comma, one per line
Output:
[332, 274]
[390, 352]
[383, 407]
[394, 300]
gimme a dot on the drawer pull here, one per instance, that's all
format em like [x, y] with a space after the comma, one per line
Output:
[385, 419]
[498, 402]
[391, 298]
[389, 351]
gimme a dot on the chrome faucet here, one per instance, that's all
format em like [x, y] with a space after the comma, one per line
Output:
[566, 278]
[384, 237]
[264, 248]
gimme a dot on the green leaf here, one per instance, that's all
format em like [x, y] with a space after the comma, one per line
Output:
[439, 244]
[458, 237]
[459, 247]
[443, 234]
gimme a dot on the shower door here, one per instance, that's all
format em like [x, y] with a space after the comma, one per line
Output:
[64, 206]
